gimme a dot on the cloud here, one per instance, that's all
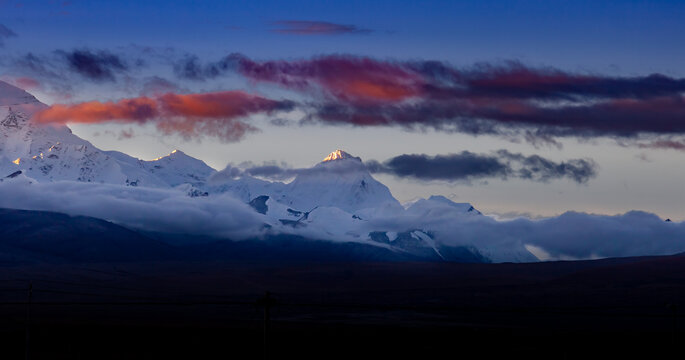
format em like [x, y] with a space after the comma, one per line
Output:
[664, 144]
[504, 99]
[5, 33]
[634, 233]
[283, 171]
[441, 81]
[64, 68]
[36, 65]
[620, 118]
[170, 211]
[99, 65]
[467, 166]
[463, 166]
[191, 115]
[190, 67]
[303, 27]
[515, 80]
[570, 236]
[346, 78]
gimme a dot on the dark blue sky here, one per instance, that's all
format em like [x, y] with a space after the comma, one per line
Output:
[622, 37]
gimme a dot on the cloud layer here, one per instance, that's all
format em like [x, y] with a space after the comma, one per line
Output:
[213, 114]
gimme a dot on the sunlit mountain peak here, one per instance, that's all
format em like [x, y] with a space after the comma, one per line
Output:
[338, 155]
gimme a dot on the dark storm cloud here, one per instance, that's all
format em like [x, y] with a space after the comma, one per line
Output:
[100, 66]
[95, 65]
[537, 168]
[5, 33]
[303, 27]
[462, 166]
[62, 72]
[467, 166]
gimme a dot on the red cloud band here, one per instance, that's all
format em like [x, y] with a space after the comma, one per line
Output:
[348, 79]
[215, 114]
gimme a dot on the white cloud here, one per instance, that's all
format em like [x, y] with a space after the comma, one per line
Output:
[570, 236]
[161, 210]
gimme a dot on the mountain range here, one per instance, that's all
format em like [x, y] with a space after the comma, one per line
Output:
[336, 200]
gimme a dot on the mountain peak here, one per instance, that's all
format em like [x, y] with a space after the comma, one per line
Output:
[12, 95]
[339, 155]
[171, 155]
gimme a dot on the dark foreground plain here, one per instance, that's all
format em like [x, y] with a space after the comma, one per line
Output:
[83, 288]
[626, 307]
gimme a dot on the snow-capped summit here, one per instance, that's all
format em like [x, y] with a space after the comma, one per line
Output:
[339, 155]
[339, 181]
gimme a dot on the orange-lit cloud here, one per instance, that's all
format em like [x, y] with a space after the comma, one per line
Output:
[215, 114]
[346, 78]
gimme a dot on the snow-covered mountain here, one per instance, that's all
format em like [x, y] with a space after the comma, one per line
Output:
[53, 153]
[341, 181]
[336, 199]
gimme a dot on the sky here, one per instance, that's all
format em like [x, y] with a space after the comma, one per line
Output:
[480, 92]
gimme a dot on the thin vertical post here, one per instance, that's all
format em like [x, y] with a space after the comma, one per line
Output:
[266, 302]
[27, 353]
[674, 308]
